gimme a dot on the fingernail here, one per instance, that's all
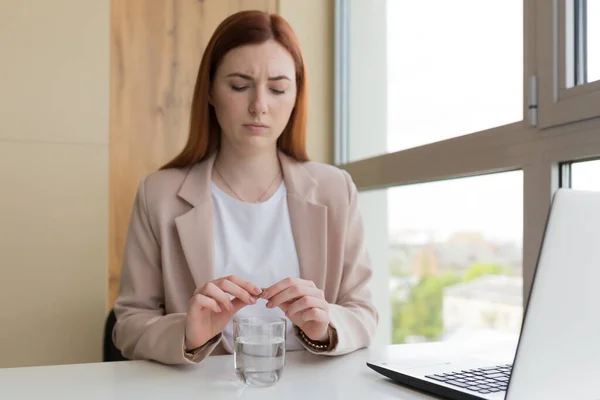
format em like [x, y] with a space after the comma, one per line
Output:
[264, 295]
[219, 309]
[252, 300]
[257, 290]
[269, 304]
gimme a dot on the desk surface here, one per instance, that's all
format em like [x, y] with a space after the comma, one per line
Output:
[305, 376]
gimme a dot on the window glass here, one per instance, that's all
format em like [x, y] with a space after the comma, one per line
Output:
[455, 258]
[585, 175]
[448, 68]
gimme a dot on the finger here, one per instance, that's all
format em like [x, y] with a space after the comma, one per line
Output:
[283, 285]
[305, 303]
[237, 305]
[249, 287]
[292, 293]
[229, 287]
[284, 307]
[313, 314]
[201, 301]
[212, 290]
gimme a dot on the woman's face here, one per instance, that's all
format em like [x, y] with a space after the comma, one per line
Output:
[253, 93]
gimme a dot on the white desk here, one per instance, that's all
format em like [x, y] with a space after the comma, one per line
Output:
[305, 377]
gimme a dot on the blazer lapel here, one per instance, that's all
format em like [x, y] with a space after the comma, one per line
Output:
[195, 232]
[308, 219]
[196, 227]
[309, 224]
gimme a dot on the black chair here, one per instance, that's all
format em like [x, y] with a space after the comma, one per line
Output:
[111, 353]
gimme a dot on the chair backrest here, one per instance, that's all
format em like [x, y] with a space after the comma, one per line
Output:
[110, 351]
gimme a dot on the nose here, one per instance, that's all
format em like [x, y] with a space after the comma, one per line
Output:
[258, 104]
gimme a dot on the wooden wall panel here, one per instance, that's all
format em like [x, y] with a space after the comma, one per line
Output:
[156, 47]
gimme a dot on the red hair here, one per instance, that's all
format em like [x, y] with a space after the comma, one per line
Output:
[243, 28]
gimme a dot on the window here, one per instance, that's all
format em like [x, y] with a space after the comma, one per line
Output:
[567, 58]
[455, 257]
[457, 142]
[428, 77]
[434, 79]
[593, 40]
[585, 175]
[581, 46]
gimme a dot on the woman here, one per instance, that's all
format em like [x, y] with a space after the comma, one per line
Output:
[240, 222]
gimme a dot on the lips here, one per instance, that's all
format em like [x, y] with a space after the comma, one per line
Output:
[255, 128]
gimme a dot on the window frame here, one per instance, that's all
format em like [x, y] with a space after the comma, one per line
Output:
[559, 103]
[557, 132]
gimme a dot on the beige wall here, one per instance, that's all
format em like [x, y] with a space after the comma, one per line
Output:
[54, 80]
[312, 21]
[53, 179]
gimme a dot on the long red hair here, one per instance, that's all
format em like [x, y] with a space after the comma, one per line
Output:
[243, 28]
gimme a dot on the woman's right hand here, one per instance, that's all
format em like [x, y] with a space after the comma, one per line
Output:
[210, 308]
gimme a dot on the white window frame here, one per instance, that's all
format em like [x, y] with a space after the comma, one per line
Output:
[561, 130]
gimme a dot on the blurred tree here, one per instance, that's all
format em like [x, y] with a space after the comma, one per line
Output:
[421, 314]
[396, 268]
[478, 270]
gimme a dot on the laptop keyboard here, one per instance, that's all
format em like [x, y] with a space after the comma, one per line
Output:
[480, 380]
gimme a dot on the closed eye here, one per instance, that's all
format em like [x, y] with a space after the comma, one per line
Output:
[243, 88]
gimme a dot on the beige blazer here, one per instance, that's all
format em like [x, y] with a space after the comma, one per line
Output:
[169, 253]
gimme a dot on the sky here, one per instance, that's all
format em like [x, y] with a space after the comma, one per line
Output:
[463, 75]
[488, 204]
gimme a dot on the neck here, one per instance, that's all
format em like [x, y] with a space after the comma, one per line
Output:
[249, 175]
[243, 166]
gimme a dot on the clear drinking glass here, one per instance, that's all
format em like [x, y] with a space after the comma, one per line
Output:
[259, 349]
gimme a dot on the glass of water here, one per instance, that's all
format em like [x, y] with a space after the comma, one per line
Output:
[259, 349]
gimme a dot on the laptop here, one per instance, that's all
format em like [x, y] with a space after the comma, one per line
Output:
[558, 352]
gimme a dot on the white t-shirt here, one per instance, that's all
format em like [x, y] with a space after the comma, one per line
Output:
[254, 241]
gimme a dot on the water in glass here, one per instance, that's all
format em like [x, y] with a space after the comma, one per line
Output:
[259, 362]
[259, 353]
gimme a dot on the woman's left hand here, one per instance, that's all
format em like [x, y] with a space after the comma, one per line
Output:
[303, 303]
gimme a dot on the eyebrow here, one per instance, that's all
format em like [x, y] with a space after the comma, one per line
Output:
[249, 78]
